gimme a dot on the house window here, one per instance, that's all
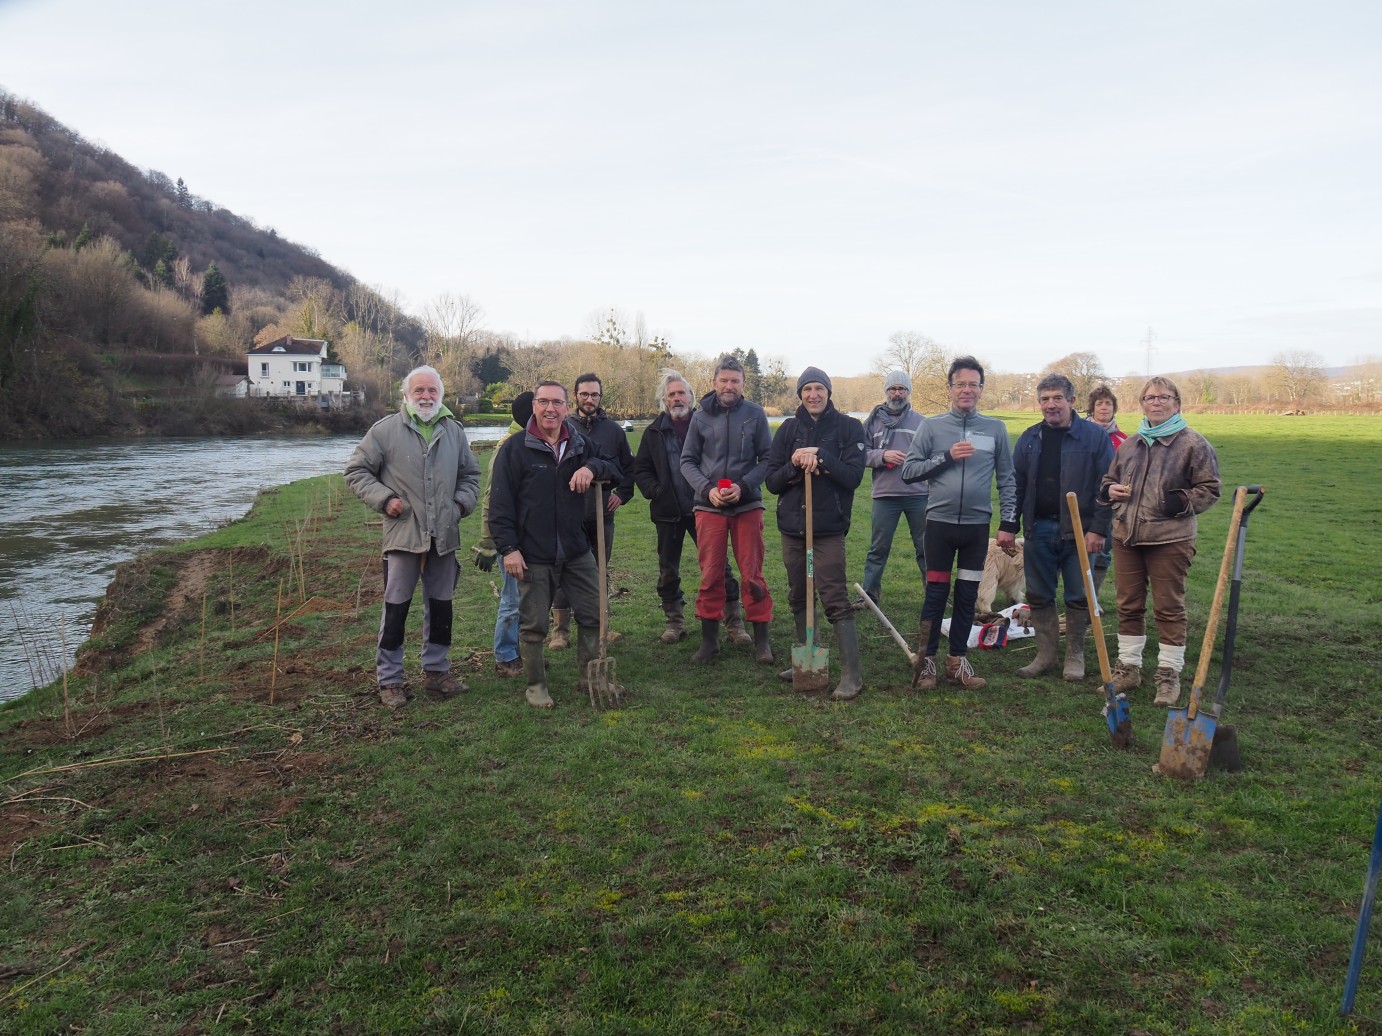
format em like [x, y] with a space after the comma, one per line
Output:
[301, 365]
[263, 370]
[288, 385]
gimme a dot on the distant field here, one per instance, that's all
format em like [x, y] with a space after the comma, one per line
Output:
[720, 856]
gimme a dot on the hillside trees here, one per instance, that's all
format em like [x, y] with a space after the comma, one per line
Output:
[215, 290]
[1297, 374]
[925, 362]
[1084, 369]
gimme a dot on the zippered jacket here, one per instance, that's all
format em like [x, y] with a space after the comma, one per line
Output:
[961, 490]
[615, 442]
[531, 505]
[1085, 455]
[888, 481]
[727, 443]
[657, 472]
[840, 448]
[438, 481]
[1173, 479]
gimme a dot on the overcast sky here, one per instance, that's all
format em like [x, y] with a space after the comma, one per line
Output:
[1017, 180]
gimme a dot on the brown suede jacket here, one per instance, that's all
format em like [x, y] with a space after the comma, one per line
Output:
[1172, 480]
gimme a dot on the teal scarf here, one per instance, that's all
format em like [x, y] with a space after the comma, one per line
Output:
[1169, 427]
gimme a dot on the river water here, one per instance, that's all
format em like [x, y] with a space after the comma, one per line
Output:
[72, 511]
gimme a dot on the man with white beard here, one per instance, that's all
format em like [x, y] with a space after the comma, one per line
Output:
[415, 468]
[657, 472]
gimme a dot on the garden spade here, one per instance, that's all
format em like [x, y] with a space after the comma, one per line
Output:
[1189, 735]
[1116, 712]
[1224, 754]
[599, 672]
[810, 663]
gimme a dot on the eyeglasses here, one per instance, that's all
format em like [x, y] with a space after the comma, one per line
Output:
[967, 385]
[588, 395]
[549, 404]
[1157, 399]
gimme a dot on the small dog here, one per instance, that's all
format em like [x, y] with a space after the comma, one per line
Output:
[1001, 572]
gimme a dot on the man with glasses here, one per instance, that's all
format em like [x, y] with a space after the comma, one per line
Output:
[889, 431]
[960, 454]
[591, 418]
[1061, 454]
[536, 518]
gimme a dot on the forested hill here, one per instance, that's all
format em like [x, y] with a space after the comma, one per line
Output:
[123, 294]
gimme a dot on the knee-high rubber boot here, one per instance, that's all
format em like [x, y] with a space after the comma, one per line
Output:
[800, 619]
[762, 648]
[1076, 630]
[1046, 623]
[710, 642]
[676, 623]
[735, 632]
[851, 679]
[560, 639]
[1100, 574]
[535, 673]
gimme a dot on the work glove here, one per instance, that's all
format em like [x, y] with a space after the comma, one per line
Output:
[484, 559]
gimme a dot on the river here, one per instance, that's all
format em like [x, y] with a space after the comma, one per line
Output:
[73, 511]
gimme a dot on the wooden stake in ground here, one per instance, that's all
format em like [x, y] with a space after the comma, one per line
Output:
[66, 703]
[273, 675]
[201, 649]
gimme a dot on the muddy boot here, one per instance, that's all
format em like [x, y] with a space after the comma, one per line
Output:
[734, 625]
[1126, 677]
[959, 672]
[1100, 574]
[800, 619]
[1045, 622]
[1076, 630]
[926, 674]
[710, 642]
[535, 673]
[1167, 686]
[762, 649]
[851, 679]
[676, 624]
[560, 639]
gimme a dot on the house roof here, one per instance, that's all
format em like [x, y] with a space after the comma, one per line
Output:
[292, 346]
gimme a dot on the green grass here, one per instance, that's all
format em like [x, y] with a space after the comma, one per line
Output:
[719, 855]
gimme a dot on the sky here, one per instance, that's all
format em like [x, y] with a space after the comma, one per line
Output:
[1014, 180]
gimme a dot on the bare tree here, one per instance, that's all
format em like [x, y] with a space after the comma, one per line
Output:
[925, 362]
[1297, 374]
[1084, 369]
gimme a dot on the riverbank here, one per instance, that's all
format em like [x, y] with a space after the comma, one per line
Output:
[217, 827]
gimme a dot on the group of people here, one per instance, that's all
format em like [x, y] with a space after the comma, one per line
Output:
[703, 467]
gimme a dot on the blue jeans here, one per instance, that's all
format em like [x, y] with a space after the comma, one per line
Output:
[1048, 556]
[886, 512]
[506, 626]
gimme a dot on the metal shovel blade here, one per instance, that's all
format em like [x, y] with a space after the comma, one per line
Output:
[810, 667]
[1186, 744]
[1118, 715]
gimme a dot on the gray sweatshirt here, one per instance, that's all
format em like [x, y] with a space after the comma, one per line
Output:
[961, 490]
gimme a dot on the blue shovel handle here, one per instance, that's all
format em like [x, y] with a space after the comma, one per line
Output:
[1360, 939]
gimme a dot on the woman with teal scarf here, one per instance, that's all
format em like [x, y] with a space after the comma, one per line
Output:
[1162, 477]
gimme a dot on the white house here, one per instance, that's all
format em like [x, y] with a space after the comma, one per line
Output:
[297, 367]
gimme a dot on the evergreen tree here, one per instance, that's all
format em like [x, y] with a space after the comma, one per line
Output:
[83, 239]
[215, 291]
[163, 274]
[184, 196]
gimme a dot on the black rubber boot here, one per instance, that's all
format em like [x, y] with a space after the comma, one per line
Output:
[710, 642]
[851, 679]
[762, 649]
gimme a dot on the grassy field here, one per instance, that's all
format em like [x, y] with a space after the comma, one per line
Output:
[195, 839]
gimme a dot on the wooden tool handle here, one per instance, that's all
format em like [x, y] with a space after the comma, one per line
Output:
[1212, 626]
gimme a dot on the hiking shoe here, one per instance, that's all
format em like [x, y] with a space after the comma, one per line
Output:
[1126, 677]
[508, 669]
[1167, 686]
[959, 672]
[441, 686]
[925, 678]
[393, 696]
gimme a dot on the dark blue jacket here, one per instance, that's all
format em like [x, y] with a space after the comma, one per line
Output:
[1085, 455]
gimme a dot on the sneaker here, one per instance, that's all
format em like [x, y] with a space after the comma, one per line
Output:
[508, 669]
[442, 686]
[959, 672]
[393, 696]
[1167, 686]
[1126, 677]
[924, 674]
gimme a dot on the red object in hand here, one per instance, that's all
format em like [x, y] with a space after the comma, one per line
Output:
[726, 484]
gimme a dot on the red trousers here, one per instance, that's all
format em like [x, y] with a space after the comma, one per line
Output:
[714, 534]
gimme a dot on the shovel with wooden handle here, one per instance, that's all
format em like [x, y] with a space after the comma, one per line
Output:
[810, 664]
[901, 640]
[1189, 735]
[1117, 714]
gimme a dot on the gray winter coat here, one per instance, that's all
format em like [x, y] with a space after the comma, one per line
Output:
[438, 481]
[961, 490]
[730, 444]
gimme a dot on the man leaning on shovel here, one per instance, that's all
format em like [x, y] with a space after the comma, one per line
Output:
[536, 517]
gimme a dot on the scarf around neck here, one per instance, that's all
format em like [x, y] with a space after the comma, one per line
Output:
[1169, 427]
